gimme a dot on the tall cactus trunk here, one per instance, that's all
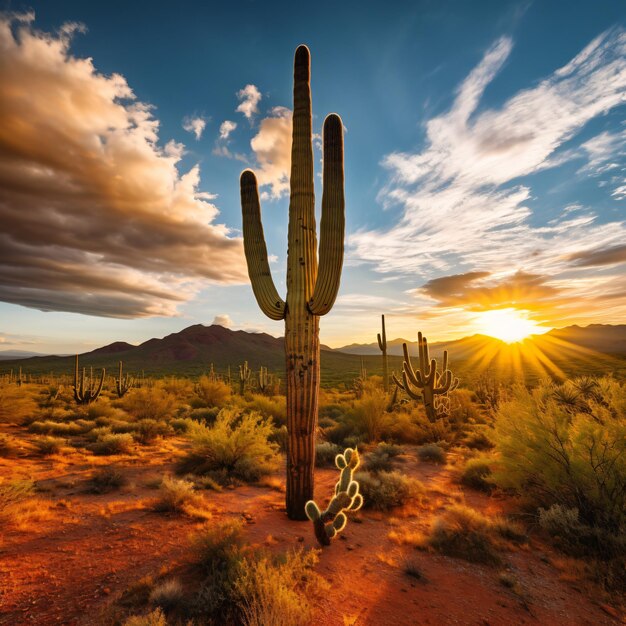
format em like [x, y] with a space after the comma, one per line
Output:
[311, 291]
[382, 344]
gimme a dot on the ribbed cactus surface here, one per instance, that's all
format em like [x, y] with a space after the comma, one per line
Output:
[311, 290]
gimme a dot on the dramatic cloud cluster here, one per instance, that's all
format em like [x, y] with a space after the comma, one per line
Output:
[195, 125]
[95, 216]
[272, 149]
[463, 204]
[249, 98]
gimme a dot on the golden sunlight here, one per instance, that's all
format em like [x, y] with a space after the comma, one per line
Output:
[509, 325]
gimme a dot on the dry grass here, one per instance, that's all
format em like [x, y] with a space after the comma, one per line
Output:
[179, 496]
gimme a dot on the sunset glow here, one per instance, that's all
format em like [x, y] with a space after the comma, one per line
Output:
[509, 325]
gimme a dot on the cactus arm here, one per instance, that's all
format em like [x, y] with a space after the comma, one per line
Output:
[256, 251]
[415, 376]
[407, 387]
[333, 221]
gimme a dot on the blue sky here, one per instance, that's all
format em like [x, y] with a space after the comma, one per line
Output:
[484, 156]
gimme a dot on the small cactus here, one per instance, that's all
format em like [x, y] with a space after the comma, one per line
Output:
[382, 344]
[84, 394]
[433, 386]
[264, 379]
[244, 377]
[123, 383]
[347, 498]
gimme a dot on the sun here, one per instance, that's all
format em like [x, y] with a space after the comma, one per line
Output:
[509, 325]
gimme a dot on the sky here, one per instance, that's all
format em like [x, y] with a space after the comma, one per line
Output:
[485, 159]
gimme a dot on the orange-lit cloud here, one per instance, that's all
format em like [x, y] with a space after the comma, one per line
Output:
[96, 218]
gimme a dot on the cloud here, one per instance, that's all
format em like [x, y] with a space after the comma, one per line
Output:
[272, 149]
[463, 198]
[96, 217]
[195, 125]
[479, 291]
[249, 98]
[601, 256]
[223, 320]
[226, 128]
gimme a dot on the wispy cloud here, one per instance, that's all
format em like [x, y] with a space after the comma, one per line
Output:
[96, 217]
[249, 98]
[464, 203]
[195, 125]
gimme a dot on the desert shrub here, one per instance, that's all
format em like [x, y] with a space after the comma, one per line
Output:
[9, 446]
[558, 445]
[432, 453]
[178, 387]
[181, 425]
[463, 409]
[339, 433]
[578, 539]
[176, 495]
[220, 553]
[380, 459]
[147, 430]
[118, 426]
[277, 591]
[236, 447]
[48, 427]
[385, 490]
[211, 393]
[12, 492]
[369, 414]
[325, 453]
[155, 618]
[478, 439]
[274, 408]
[280, 437]
[16, 405]
[149, 403]
[100, 408]
[332, 412]
[204, 416]
[46, 446]
[106, 480]
[111, 443]
[168, 594]
[465, 533]
[476, 474]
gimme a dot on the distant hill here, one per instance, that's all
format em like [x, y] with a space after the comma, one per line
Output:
[596, 349]
[11, 355]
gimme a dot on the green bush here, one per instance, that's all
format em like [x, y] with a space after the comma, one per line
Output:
[110, 443]
[432, 453]
[369, 414]
[274, 408]
[212, 393]
[147, 430]
[106, 480]
[385, 490]
[476, 474]
[560, 445]
[380, 459]
[236, 446]
[176, 496]
[153, 403]
[325, 453]
[465, 533]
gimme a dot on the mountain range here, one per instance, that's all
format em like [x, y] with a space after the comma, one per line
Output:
[594, 349]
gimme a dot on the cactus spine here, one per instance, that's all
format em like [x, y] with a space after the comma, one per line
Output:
[382, 344]
[244, 377]
[347, 498]
[84, 394]
[123, 383]
[433, 386]
[311, 291]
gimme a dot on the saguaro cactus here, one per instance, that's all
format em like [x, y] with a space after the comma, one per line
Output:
[123, 383]
[382, 344]
[84, 394]
[347, 498]
[263, 379]
[433, 386]
[311, 291]
[244, 377]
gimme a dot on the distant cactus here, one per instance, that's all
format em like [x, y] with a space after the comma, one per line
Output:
[84, 394]
[359, 383]
[19, 378]
[347, 498]
[123, 383]
[382, 344]
[311, 289]
[264, 379]
[244, 377]
[433, 386]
